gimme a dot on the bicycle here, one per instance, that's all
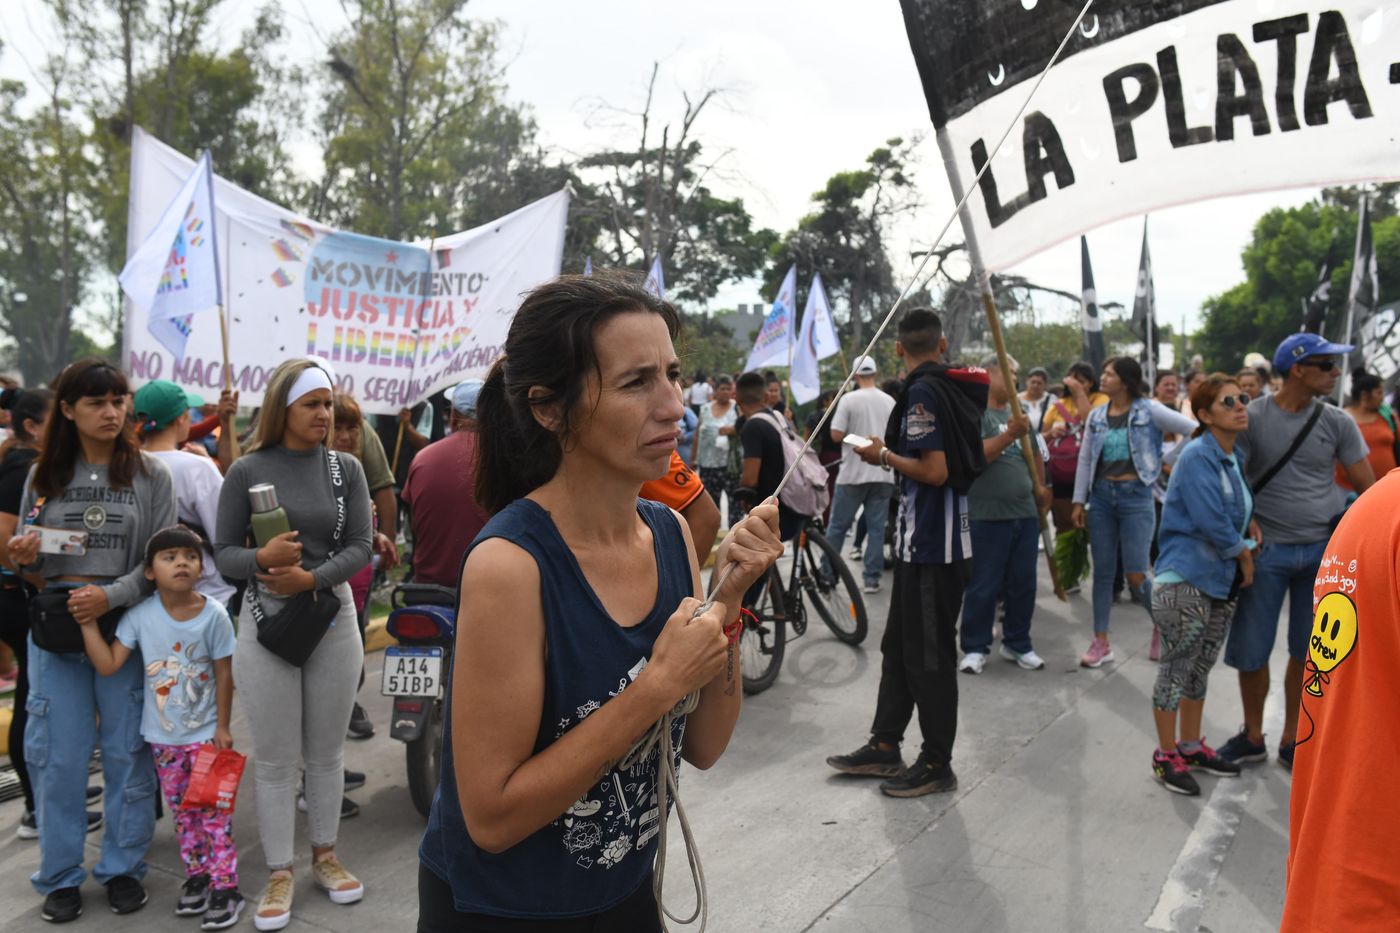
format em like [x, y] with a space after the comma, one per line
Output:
[834, 595]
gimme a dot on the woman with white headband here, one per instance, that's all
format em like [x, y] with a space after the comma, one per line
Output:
[299, 713]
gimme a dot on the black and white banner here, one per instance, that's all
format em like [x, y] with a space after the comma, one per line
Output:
[1154, 103]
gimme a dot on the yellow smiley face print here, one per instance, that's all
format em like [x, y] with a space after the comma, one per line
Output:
[1332, 638]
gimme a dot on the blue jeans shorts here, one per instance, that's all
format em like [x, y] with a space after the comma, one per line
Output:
[1279, 570]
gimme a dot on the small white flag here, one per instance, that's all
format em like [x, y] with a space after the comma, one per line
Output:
[174, 273]
[815, 341]
[774, 341]
[656, 281]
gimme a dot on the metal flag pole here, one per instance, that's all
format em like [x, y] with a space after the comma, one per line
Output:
[1151, 302]
[413, 367]
[1363, 216]
[984, 282]
[218, 280]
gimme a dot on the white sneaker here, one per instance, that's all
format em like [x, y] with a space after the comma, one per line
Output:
[856, 553]
[973, 662]
[1029, 661]
[872, 587]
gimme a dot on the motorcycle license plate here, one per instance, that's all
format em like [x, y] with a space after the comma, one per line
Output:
[411, 672]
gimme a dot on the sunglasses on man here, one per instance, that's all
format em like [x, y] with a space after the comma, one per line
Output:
[1324, 366]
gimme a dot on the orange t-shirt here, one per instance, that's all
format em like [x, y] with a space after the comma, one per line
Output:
[677, 489]
[1344, 826]
[1381, 440]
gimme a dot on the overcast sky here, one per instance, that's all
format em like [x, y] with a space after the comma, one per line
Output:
[811, 88]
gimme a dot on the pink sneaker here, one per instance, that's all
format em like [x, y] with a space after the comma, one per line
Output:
[1154, 650]
[1098, 653]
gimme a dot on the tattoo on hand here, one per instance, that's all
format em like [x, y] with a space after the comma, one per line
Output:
[729, 671]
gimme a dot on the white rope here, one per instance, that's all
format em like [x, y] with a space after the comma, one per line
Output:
[659, 735]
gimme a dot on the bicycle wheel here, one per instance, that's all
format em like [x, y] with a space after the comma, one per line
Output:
[835, 595]
[761, 643]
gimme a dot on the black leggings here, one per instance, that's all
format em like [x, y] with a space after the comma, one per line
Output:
[438, 914]
[14, 631]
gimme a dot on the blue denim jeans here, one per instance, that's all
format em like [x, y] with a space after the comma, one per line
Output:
[72, 708]
[848, 500]
[1121, 514]
[1003, 565]
[1279, 570]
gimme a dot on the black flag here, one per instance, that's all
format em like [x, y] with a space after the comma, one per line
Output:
[1145, 311]
[1364, 295]
[1089, 313]
[1315, 309]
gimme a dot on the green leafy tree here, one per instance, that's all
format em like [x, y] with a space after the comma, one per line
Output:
[418, 137]
[46, 247]
[1281, 262]
[846, 237]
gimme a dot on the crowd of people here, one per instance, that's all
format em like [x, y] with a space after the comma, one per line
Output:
[145, 586]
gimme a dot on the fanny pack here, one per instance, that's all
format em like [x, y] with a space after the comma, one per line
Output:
[294, 630]
[53, 627]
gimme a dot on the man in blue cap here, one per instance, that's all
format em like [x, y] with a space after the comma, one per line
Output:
[1294, 441]
[441, 493]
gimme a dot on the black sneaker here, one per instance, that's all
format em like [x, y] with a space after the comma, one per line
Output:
[125, 895]
[224, 909]
[1239, 748]
[1208, 760]
[354, 780]
[1285, 754]
[1170, 768]
[194, 897]
[360, 726]
[94, 794]
[63, 905]
[870, 760]
[922, 777]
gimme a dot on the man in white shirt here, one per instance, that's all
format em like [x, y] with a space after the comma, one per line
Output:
[864, 412]
[163, 418]
[701, 393]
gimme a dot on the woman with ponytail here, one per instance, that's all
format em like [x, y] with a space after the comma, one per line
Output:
[576, 630]
[29, 411]
[1207, 555]
[92, 481]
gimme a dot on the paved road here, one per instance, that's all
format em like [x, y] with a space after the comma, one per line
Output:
[1057, 824]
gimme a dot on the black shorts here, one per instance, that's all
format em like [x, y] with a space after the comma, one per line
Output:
[637, 913]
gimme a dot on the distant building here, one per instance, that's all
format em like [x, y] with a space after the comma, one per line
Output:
[744, 323]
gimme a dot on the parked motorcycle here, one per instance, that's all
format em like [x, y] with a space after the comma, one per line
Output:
[423, 620]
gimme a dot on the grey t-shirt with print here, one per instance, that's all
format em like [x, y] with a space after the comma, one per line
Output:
[1299, 503]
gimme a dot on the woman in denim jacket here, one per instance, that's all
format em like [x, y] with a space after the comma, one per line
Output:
[1119, 460]
[1203, 544]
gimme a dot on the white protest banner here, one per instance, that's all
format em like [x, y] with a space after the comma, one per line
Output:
[1153, 104]
[397, 323]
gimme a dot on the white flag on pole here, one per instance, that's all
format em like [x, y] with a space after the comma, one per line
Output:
[772, 344]
[174, 274]
[656, 280]
[815, 341]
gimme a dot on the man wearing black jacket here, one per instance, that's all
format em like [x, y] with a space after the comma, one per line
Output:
[933, 444]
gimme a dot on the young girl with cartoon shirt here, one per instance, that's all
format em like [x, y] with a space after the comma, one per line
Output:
[187, 641]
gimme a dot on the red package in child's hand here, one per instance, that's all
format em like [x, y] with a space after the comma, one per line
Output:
[214, 779]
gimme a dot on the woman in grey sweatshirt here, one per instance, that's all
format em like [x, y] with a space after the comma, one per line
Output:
[298, 714]
[93, 478]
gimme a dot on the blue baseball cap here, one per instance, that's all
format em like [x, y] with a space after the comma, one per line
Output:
[463, 397]
[1297, 347]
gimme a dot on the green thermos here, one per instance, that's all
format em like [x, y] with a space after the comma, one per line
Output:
[269, 518]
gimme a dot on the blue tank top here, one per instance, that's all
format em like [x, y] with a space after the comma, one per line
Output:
[602, 848]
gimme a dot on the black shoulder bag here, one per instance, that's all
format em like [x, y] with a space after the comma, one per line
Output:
[297, 627]
[1272, 471]
[51, 625]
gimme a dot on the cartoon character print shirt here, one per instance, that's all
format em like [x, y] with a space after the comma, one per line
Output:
[179, 659]
[1343, 856]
